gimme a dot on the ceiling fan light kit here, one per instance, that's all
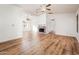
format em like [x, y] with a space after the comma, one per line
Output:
[45, 8]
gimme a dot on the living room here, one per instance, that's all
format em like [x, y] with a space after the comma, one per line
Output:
[30, 29]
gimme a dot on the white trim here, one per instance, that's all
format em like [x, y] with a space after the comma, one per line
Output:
[10, 39]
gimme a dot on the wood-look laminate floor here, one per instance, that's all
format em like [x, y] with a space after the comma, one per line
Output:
[41, 44]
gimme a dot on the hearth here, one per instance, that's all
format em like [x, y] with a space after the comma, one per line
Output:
[42, 29]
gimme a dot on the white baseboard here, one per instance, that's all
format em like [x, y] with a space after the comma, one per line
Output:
[10, 39]
[77, 36]
[66, 34]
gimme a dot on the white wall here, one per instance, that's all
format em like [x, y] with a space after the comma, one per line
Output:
[10, 15]
[49, 23]
[42, 19]
[37, 20]
[65, 24]
[77, 34]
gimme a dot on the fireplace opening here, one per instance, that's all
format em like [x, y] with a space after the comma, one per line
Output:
[41, 30]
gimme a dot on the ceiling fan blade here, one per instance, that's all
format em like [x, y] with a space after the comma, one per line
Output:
[48, 5]
[48, 9]
[50, 12]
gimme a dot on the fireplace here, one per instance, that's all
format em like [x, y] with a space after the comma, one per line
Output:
[41, 30]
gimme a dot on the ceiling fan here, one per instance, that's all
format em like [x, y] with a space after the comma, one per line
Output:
[45, 8]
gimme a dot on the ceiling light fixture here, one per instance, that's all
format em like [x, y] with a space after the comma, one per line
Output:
[45, 8]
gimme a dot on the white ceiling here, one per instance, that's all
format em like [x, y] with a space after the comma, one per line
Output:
[66, 8]
[57, 8]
